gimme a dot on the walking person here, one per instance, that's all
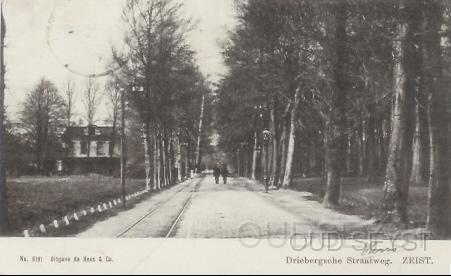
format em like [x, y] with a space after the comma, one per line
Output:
[217, 173]
[224, 173]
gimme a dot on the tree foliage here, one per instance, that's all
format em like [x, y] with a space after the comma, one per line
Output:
[39, 119]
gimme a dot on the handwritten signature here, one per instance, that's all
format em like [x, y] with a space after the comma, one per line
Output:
[371, 249]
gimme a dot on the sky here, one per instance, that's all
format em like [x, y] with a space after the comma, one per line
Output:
[69, 39]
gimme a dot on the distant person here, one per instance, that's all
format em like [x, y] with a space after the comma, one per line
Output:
[224, 173]
[217, 173]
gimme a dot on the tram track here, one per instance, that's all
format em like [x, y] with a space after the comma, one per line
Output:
[171, 230]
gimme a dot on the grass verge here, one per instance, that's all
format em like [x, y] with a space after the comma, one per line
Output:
[40, 200]
[363, 198]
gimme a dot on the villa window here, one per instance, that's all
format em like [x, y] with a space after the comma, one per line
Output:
[100, 150]
[71, 148]
[111, 148]
[84, 147]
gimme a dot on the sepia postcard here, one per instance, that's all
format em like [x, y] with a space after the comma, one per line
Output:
[225, 137]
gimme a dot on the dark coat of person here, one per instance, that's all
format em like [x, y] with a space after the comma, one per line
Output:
[224, 172]
[216, 171]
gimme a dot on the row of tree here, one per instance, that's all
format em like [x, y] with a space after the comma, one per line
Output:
[168, 96]
[346, 87]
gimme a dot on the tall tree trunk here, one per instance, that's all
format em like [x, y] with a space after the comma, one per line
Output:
[380, 148]
[333, 166]
[316, 159]
[420, 166]
[155, 165]
[171, 160]
[254, 157]
[424, 140]
[4, 225]
[163, 158]
[312, 157]
[269, 162]
[275, 148]
[201, 120]
[157, 177]
[167, 143]
[349, 154]
[263, 162]
[307, 166]
[438, 213]
[178, 157]
[416, 175]
[360, 151]
[291, 140]
[371, 145]
[394, 204]
[123, 150]
[246, 162]
[188, 158]
[335, 125]
[386, 129]
[238, 163]
[147, 154]
[283, 151]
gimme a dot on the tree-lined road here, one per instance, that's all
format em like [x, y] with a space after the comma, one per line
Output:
[199, 208]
